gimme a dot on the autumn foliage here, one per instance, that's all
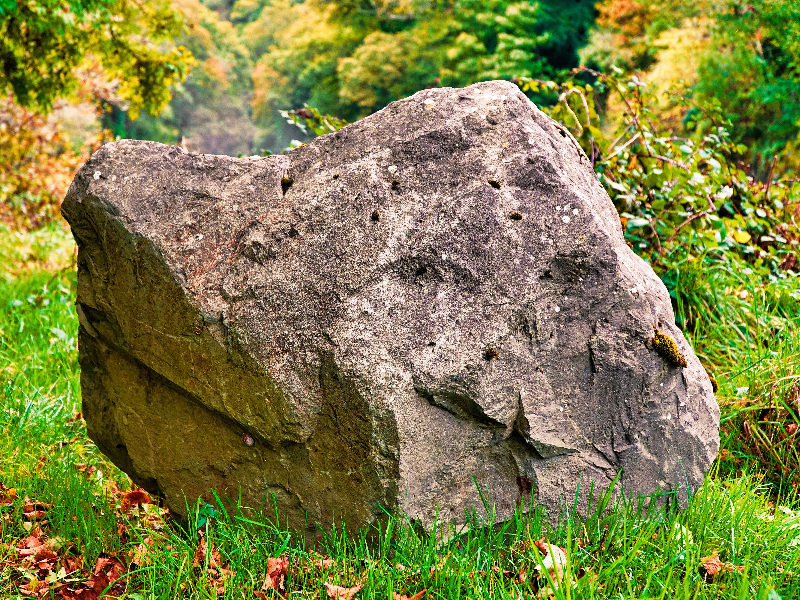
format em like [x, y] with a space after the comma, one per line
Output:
[37, 164]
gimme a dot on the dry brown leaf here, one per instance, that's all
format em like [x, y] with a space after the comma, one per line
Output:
[88, 469]
[322, 562]
[133, 498]
[33, 588]
[202, 555]
[31, 544]
[34, 510]
[111, 567]
[337, 591]
[554, 563]
[141, 553]
[542, 546]
[7, 495]
[277, 572]
[712, 566]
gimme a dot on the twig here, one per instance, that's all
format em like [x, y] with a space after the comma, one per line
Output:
[567, 133]
[686, 222]
[621, 135]
[563, 98]
[769, 177]
[625, 145]
[655, 233]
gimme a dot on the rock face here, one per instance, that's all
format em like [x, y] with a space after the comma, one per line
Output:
[435, 297]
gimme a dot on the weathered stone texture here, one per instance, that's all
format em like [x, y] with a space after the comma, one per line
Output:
[374, 313]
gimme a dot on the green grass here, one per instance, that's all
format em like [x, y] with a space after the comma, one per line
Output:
[746, 511]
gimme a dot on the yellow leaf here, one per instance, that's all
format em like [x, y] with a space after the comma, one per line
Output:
[742, 237]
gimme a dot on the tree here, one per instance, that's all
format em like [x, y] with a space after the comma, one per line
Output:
[44, 43]
[210, 112]
[352, 57]
[742, 57]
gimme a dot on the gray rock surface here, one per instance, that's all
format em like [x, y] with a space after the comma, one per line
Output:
[434, 297]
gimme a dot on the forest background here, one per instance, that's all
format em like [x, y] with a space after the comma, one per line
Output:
[217, 75]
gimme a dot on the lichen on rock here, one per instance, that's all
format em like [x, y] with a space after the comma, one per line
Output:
[667, 348]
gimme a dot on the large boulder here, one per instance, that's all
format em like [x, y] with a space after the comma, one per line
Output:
[431, 304]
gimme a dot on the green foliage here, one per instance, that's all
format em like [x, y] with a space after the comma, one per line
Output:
[499, 39]
[352, 58]
[43, 44]
[210, 111]
[754, 73]
[747, 329]
[740, 57]
[681, 197]
[309, 119]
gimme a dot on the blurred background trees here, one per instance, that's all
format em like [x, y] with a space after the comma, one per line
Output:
[218, 76]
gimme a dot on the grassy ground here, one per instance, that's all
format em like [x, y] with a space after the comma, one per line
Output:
[71, 526]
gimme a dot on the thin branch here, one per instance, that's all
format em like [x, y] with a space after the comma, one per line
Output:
[625, 145]
[686, 222]
[622, 135]
[769, 177]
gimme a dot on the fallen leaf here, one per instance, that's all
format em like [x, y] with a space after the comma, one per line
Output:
[34, 510]
[542, 546]
[202, 555]
[322, 562]
[31, 544]
[551, 570]
[44, 554]
[141, 553]
[133, 498]
[711, 566]
[88, 469]
[110, 567]
[33, 589]
[7, 495]
[337, 591]
[277, 572]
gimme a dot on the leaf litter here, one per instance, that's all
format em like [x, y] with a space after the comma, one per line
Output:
[46, 566]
